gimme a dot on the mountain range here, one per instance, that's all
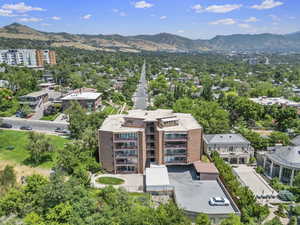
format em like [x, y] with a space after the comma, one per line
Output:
[163, 42]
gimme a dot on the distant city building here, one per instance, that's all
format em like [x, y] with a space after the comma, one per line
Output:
[27, 57]
[129, 143]
[233, 148]
[275, 101]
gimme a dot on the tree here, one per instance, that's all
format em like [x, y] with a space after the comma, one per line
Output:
[202, 219]
[274, 221]
[297, 181]
[210, 115]
[279, 137]
[7, 177]
[77, 119]
[8, 103]
[39, 147]
[232, 220]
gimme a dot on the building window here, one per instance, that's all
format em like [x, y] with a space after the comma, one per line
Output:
[175, 159]
[126, 136]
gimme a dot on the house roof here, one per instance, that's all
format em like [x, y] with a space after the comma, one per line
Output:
[296, 141]
[287, 156]
[203, 167]
[82, 96]
[225, 139]
[157, 175]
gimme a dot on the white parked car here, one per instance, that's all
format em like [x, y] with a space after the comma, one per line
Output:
[219, 201]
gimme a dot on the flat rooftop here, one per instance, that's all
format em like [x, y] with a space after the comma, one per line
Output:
[157, 175]
[193, 195]
[114, 123]
[83, 96]
[36, 94]
[204, 167]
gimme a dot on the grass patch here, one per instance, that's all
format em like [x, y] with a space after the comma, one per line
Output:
[19, 140]
[50, 117]
[110, 180]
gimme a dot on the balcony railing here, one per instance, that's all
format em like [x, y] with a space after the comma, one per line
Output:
[125, 155]
[127, 162]
[175, 161]
[175, 146]
[125, 139]
[175, 153]
[119, 148]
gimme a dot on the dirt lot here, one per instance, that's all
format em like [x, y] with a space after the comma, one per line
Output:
[22, 170]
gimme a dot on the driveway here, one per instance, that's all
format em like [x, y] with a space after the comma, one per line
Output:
[260, 188]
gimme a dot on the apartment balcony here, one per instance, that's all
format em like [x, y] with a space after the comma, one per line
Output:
[180, 154]
[176, 162]
[118, 140]
[124, 148]
[120, 162]
[125, 154]
[176, 146]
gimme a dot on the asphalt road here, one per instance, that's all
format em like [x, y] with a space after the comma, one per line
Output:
[140, 96]
[37, 125]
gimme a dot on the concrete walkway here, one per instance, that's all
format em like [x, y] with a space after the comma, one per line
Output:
[133, 182]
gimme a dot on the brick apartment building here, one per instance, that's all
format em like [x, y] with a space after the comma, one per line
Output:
[128, 143]
[45, 57]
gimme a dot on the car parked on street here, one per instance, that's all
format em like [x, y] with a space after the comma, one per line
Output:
[25, 128]
[6, 125]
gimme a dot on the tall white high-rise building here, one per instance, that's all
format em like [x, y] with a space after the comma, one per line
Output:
[27, 57]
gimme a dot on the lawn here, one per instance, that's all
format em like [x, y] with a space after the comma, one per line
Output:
[19, 140]
[110, 180]
[50, 117]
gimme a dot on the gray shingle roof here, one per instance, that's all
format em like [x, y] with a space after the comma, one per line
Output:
[225, 139]
[288, 156]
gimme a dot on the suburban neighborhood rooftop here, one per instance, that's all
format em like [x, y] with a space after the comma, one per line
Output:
[225, 139]
[82, 96]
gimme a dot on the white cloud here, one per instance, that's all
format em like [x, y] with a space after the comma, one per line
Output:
[21, 7]
[180, 31]
[30, 19]
[227, 21]
[244, 25]
[46, 24]
[251, 19]
[198, 8]
[56, 18]
[222, 8]
[86, 17]
[119, 12]
[267, 4]
[216, 8]
[163, 17]
[291, 17]
[275, 18]
[143, 5]
[4, 12]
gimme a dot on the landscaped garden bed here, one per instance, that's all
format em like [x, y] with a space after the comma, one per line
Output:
[110, 180]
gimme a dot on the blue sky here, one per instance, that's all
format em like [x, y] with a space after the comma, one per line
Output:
[190, 18]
